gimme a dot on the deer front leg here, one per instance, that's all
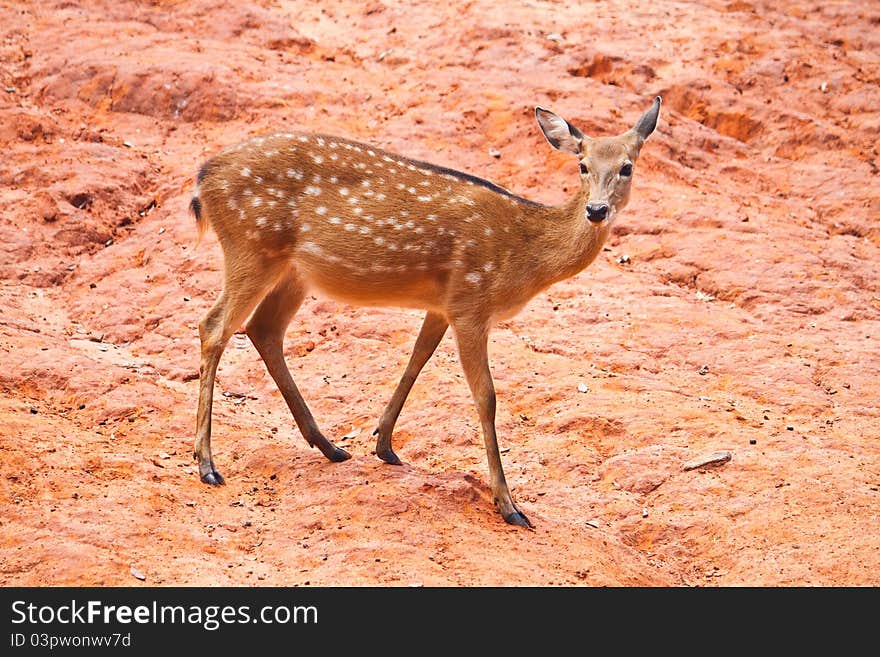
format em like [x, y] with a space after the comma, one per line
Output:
[473, 351]
[433, 329]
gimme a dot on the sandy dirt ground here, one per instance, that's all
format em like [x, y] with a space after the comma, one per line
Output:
[735, 307]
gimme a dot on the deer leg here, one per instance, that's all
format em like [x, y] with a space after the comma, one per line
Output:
[433, 329]
[242, 289]
[473, 351]
[266, 330]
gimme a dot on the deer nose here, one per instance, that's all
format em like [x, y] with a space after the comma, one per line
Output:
[596, 212]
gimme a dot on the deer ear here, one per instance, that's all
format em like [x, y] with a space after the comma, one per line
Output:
[562, 135]
[648, 122]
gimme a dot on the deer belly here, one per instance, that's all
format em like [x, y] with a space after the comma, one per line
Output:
[352, 277]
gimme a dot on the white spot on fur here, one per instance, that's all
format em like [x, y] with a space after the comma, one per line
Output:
[262, 221]
[365, 183]
[245, 172]
[319, 141]
[343, 191]
[488, 231]
[424, 199]
[318, 159]
[350, 227]
[335, 220]
[365, 230]
[257, 201]
[334, 156]
[379, 240]
[305, 228]
[311, 247]
[296, 174]
[488, 267]
[321, 210]
[311, 190]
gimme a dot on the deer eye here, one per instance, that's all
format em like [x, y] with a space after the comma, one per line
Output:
[626, 170]
[583, 170]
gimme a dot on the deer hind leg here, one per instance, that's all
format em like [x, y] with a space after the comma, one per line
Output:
[433, 329]
[266, 330]
[243, 287]
[473, 350]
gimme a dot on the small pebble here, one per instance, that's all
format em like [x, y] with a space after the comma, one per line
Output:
[752, 441]
[715, 458]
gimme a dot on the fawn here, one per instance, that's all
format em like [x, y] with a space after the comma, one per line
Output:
[298, 211]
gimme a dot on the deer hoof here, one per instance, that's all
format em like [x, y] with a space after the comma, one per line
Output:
[389, 457]
[213, 478]
[338, 455]
[518, 518]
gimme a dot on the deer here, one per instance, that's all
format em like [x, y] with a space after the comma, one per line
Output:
[296, 212]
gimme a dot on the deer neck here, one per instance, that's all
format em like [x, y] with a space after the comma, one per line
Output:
[570, 241]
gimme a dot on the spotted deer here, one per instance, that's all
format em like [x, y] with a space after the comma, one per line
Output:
[296, 212]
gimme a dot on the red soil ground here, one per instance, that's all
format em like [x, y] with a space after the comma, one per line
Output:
[745, 317]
